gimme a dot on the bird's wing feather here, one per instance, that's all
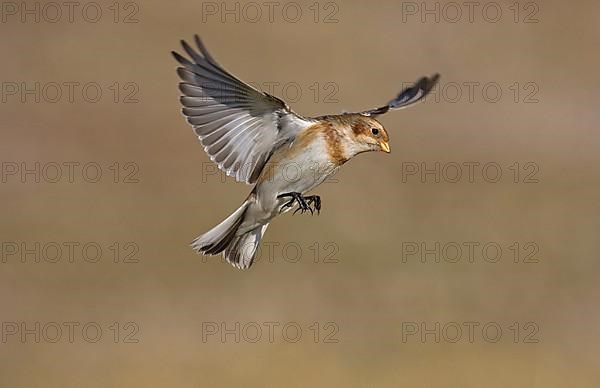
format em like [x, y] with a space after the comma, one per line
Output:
[238, 126]
[407, 97]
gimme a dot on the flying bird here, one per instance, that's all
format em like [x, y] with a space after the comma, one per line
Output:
[257, 139]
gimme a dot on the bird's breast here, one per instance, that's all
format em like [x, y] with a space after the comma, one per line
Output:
[324, 138]
[303, 164]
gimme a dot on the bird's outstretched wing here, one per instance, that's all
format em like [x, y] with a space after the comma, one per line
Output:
[238, 125]
[407, 97]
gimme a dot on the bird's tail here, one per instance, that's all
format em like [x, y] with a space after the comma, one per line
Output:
[238, 249]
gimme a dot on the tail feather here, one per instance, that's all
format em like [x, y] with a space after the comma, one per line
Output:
[218, 238]
[240, 253]
[238, 250]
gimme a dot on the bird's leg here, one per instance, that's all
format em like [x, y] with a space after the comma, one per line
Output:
[296, 197]
[290, 203]
[314, 200]
[302, 205]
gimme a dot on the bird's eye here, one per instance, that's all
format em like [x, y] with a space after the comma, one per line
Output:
[375, 131]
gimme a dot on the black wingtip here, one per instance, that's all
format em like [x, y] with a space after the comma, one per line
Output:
[178, 57]
[427, 83]
[432, 82]
[417, 92]
[199, 44]
[188, 49]
[203, 49]
[181, 59]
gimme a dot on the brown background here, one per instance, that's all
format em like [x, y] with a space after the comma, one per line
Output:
[369, 212]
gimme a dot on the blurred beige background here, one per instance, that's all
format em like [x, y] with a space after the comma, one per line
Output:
[372, 293]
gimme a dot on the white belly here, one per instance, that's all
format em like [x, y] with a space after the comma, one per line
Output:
[299, 173]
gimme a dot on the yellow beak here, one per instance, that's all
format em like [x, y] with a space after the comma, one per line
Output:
[385, 147]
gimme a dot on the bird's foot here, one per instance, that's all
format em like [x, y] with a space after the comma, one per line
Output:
[314, 200]
[304, 203]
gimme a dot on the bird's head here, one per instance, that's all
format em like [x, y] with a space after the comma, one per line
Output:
[367, 134]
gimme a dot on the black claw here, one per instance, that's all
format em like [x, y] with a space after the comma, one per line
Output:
[315, 200]
[310, 203]
[290, 203]
[302, 205]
